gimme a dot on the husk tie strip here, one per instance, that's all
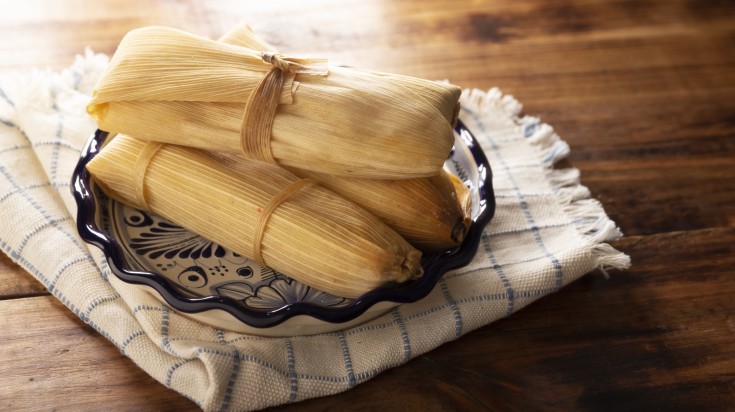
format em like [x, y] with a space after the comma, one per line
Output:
[266, 212]
[261, 106]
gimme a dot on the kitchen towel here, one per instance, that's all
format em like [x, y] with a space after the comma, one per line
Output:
[547, 232]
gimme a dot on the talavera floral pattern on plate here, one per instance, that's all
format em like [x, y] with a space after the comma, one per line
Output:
[201, 267]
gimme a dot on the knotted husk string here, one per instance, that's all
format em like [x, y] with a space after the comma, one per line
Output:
[261, 106]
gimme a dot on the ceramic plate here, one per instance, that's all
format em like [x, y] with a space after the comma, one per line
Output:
[228, 290]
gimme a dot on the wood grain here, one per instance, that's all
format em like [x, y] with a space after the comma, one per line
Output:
[15, 283]
[644, 92]
[52, 360]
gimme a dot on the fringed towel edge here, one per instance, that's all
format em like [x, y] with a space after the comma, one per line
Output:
[586, 213]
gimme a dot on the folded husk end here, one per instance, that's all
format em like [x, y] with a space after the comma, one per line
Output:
[97, 111]
[412, 266]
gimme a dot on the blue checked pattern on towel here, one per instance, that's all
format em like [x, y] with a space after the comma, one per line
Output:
[547, 233]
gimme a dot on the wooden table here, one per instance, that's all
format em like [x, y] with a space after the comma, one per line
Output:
[643, 91]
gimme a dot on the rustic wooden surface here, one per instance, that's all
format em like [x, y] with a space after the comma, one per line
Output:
[643, 91]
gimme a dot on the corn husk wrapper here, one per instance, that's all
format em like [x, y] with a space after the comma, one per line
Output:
[432, 213]
[314, 236]
[170, 86]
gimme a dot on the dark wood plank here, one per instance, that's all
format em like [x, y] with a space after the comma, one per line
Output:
[645, 195]
[51, 360]
[15, 283]
[42, 33]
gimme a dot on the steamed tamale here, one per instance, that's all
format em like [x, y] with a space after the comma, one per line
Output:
[173, 87]
[313, 235]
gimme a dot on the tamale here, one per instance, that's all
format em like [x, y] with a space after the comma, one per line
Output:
[169, 86]
[432, 213]
[313, 235]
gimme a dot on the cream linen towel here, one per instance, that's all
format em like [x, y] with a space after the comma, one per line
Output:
[547, 232]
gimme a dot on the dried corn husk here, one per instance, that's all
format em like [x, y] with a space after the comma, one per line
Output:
[170, 86]
[314, 236]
